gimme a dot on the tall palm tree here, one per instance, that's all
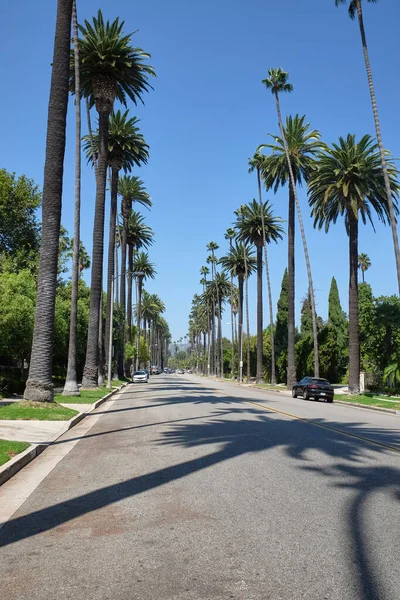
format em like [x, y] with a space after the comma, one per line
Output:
[349, 182]
[39, 386]
[256, 163]
[212, 247]
[278, 83]
[142, 269]
[230, 234]
[140, 236]
[110, 68]
[255, 223]
[126, 148]
[355, 6]
[240, 262]
[364, 264]
[71, 381]
[218, 290]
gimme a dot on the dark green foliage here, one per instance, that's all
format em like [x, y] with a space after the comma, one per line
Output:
[306, 317]
[19, 228]
[336, 316]
[281, 331]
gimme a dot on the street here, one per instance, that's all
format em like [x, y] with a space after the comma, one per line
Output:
[190, 489]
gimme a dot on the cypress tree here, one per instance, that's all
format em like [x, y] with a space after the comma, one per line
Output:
[306, 316]
[281, 330]
[336, 316]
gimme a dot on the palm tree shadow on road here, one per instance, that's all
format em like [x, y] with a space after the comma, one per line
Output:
[257, 431]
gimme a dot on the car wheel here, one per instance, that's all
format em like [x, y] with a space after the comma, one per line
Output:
[305, 394]
[330, 400]
[294, 395]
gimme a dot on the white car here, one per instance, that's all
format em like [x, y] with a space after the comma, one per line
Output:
[140, 377]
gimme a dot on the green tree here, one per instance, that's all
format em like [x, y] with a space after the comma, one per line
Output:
[110, 68]
[364, 264]
[349, 182]
[298, 153]
[39, 386]
[142, 269]
[20, 230]
[281, 331]
[355, 7]
[254, 224]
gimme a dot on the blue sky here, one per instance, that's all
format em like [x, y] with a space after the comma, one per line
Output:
[207, 115]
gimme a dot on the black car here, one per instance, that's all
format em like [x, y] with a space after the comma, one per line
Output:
[313, 387]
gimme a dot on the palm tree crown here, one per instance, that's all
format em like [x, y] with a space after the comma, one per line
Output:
[140, 235]
[349, 179]
[352, 6]
[249, 224]
[142, 264]
[132, 189]
[126, 145]
[239, 260]
[303, 145]
[110, 66]
[277, 81]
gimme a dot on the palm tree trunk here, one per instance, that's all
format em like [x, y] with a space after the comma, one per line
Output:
[259, 369]
[111, 253]
[248, 331]
[90, 371]
[221, 358]
[379, 140]
[303, 237]
[363, 275]
[291, 367]
[100, 372]
[354, 340]
[213, 361]
[124, 244]
[71, 381]
[208, 354]
[130, 283]
[204, 352]
[271, 315]
[240, 326]
[39, 386]
[140, 284]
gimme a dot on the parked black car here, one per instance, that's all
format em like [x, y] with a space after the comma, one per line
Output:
[313, 387]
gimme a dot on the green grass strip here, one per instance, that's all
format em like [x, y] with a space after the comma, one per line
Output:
[10, 449]
[37, 411]
[367, 400]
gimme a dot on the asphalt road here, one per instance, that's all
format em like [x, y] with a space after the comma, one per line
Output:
[189, 489]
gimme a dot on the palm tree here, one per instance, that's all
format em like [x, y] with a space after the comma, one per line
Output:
[71, 382]
[230, 234]
[241, 263]
[218, 290]
[84, 259]
[142, 269]
[110, 68]
[126, 148]
[39, 386]
[278, 83]
[364, 264]
[349, 182]
[256, 163]
[140, 236]
[255, 223]
[356, 6]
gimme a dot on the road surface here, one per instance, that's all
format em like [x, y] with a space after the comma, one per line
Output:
[190, 489]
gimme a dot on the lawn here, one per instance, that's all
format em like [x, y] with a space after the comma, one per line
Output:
[40, 411]
[10, 449]
[269, 386]
[370, 400]
[87, 396]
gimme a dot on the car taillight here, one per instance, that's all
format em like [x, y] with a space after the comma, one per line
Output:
[313, 386]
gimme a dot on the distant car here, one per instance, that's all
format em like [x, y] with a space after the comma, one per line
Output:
[180, 372]
[155, 370]
[313, 387]
[189, 371]
[140, 377]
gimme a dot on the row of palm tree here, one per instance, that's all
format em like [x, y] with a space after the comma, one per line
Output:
[103, 67]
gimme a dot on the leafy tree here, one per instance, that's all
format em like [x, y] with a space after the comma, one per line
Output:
[281, 332]
[355, 7]
[336, 316]
[368, 327]
[348, 182]
[40, 384]
[19, 230]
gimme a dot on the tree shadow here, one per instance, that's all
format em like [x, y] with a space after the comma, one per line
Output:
[255, 431]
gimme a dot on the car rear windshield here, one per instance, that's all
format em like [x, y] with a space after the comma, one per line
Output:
[320, 381]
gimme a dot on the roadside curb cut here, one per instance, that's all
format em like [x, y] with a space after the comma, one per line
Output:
[21, 460]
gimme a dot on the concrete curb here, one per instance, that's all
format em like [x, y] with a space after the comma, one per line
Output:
[367, 407]
[17, 463]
